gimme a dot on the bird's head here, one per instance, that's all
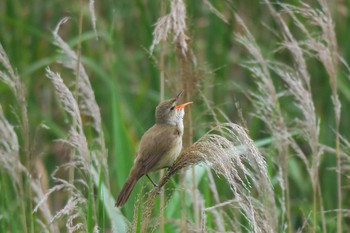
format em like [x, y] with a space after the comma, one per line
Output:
[168, 112]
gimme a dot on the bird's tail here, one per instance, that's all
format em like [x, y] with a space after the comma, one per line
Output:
[126, 191]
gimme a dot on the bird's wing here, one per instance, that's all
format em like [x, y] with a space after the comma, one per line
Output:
[155, 143]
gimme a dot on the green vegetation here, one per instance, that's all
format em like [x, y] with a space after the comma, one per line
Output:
[266, 140]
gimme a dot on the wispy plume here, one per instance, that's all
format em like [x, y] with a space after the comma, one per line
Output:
[65, 95]
[43, 207]
[10, 162]
[215, 11]
[298, 79]
[173, 23]
[93, 16]
[74, 209]
[323, 47]
[266, 102]
[10, 77]
[9, 148]
[76, 136]
[86, 101]
[14, 82]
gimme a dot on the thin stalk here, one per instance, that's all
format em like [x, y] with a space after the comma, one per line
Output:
[71, 178]
[93, 194]
[332, 42]
[76, 96]
[161, 208]
[20, 95]
[324, 228]
[339, 182]
[316, 190]
[79, 47]
[22, 206]
[28, 157]
[21, 100]
[314, 207]
[161, 76]
[195, 201]
[289, 218]
[284, 152]
[285, 176]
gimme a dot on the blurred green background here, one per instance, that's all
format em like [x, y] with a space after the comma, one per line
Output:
[125, 79]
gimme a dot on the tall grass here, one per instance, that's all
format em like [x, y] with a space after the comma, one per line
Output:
[70, 120]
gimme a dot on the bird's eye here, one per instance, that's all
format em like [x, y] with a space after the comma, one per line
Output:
[172, 108]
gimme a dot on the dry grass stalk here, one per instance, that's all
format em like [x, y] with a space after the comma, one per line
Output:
[10, 162]
[323, 48]
[44, 207]
[87, 104]
[17, 87]
[345, 156]
[298, 81]
[74, 212]
[218, 214]
[14, 82]
[9, 148]
[308, 125]
[266, 103]
[175, 23]
[235, 157]
[10, 78]
[215, 11]
[93, 16]
[76, 138]
[75, 207]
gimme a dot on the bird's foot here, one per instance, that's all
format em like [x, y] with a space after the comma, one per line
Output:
[157, 190]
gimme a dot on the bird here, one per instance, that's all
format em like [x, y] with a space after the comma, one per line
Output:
[159, 146]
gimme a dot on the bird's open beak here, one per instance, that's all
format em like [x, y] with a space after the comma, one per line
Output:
[183, 105]
[178, 95]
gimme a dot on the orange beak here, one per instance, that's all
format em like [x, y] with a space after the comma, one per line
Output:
[183, 105]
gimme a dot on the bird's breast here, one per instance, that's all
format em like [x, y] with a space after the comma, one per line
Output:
[168, 158]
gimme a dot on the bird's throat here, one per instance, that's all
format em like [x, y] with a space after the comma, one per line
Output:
[180, 126]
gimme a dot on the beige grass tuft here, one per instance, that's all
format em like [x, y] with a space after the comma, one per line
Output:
[229, 151]
[175, 23]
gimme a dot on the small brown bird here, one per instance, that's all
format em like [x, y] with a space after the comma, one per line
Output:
[159, 146]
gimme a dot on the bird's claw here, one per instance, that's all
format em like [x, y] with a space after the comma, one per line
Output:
[157, 190]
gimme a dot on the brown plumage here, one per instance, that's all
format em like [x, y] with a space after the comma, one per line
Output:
[159, 146]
